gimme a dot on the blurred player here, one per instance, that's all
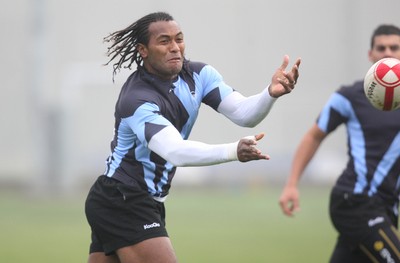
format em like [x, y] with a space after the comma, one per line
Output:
[364, 201]
[154, 114]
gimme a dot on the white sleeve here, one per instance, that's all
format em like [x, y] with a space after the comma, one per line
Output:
[246, 111]
[169, 144]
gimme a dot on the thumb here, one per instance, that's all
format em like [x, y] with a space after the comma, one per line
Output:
[259, 136]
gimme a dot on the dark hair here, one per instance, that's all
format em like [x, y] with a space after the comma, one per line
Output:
[124, 42]
[384, 30]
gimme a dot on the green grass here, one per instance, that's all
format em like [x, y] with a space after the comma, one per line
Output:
[204, 226]
[42, 230]
[249, 227]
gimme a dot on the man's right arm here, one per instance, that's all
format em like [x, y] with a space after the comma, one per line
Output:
[169, 144]
[289, 200]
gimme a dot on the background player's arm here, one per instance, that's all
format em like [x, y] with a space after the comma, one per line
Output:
[289, 200]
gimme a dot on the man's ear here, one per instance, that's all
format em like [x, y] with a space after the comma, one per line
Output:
[142, 50]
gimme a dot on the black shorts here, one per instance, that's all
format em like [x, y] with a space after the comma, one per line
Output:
[367, 229]
[121, 215]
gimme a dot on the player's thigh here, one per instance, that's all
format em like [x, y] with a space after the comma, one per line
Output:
[154, 250]
[383, 245]
[343, 253]
[100, 257]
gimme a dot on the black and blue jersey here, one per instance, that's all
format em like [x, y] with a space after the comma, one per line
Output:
[373, 167]
[146, 105]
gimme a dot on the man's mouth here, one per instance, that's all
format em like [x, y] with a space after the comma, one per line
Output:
[175, 59]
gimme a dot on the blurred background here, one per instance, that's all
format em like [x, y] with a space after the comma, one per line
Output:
[58, 98]
[57, 103]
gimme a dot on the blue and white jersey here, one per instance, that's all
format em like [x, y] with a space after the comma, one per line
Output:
[145, 106]
[373, 167]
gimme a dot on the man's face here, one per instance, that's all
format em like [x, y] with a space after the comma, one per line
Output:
[164, 54]
[385, 46]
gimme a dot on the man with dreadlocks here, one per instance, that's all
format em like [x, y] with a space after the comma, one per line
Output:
[154, 114]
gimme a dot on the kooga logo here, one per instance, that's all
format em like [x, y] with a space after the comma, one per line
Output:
[152, 225]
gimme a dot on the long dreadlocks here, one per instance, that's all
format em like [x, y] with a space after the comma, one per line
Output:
[124, 42]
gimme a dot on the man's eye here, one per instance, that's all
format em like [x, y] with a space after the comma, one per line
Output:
[380, 48]
[394, 48]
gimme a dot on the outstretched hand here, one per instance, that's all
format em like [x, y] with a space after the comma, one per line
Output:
[284, 82]
[247, 150]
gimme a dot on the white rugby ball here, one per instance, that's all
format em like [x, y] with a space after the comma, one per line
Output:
[382, 84]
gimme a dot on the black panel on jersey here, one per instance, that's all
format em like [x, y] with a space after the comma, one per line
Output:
[187, 73]
[141, 88]
[213, 99]
[151, 129]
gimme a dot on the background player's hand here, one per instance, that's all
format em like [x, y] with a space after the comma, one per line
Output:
[289, 200]
[283, 82]
[247, 151]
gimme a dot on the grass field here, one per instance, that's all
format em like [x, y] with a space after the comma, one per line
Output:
[205, 226]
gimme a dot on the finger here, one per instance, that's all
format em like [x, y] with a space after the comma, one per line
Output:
[285, 83]
[289, 209]
[285, 208]
[295, 69]
[256, 154]
[295, 72]
[291, 78]
[293, 75]
[296, 205]
[298, 62]
[260, 155]
[259, 136]
[264, 156]
[285, 63]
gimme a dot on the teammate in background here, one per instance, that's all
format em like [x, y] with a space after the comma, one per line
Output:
[364, 201]
[154, 114]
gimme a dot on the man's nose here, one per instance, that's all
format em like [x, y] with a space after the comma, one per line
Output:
[174, 46]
